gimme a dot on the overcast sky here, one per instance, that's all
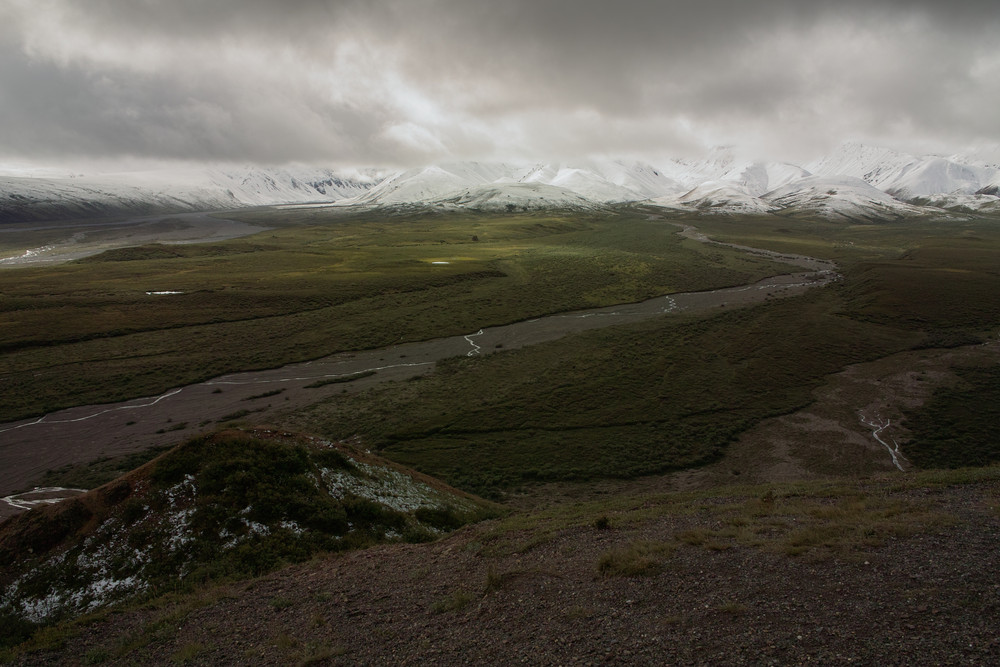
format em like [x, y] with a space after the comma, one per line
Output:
[399, 82]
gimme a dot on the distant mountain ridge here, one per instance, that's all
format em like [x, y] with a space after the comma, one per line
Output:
[39, 198]
[855, 182]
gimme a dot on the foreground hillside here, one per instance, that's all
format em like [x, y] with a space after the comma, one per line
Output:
[884, 571]
[231, 504]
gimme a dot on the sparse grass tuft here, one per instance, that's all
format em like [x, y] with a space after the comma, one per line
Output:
[494, 581]
[578, 613]
[278, 603]
[456, 601]
[180, 426]
[732, 608]
[232, 416]
[639, 559]
[96, 656]
[319, 653]
[187, 653]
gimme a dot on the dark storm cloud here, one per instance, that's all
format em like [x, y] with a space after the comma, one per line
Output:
[52, 111]
[403, 81]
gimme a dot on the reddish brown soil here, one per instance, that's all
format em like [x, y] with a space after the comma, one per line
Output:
[930, 599]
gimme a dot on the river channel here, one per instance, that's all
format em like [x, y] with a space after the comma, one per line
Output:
[30, 447]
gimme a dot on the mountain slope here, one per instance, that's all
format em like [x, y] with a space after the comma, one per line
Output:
[933, 176]
[477, 184]
[519, 197]
[839, 198]
[907, 176]
[718, 197]
[721, 183]
[31, 198]
[875, 165]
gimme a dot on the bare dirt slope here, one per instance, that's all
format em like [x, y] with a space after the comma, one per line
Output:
[537, 596]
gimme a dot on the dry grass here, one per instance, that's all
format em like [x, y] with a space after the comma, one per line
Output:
[639, 559]
[456, 601]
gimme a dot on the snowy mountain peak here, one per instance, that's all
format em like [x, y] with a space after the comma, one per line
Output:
[856, 182]
[843, 198]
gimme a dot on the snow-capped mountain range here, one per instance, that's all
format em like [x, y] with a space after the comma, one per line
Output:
[856, 182]
[48, 196]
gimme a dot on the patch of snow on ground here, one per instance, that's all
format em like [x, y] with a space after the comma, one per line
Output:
[182, 493]
[98, 592]
[382, 485]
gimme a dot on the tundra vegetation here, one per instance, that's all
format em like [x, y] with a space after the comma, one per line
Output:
[616, 403]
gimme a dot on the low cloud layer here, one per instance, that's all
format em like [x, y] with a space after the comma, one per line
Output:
[414, 81]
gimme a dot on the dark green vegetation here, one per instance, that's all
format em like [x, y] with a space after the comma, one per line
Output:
[339, 380]
[100, 471]
[224, 506]
[959, 425]
[670, 394]
[88, 332]
[941, 278]
[619, 402]
[266, 394]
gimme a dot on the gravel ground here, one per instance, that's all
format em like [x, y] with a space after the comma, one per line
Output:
[933, 598]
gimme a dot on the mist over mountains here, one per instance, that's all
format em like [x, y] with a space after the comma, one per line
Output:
[856, 182]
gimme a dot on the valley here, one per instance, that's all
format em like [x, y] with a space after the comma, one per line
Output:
[30, 447]
[489, 333]
[604, 378]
